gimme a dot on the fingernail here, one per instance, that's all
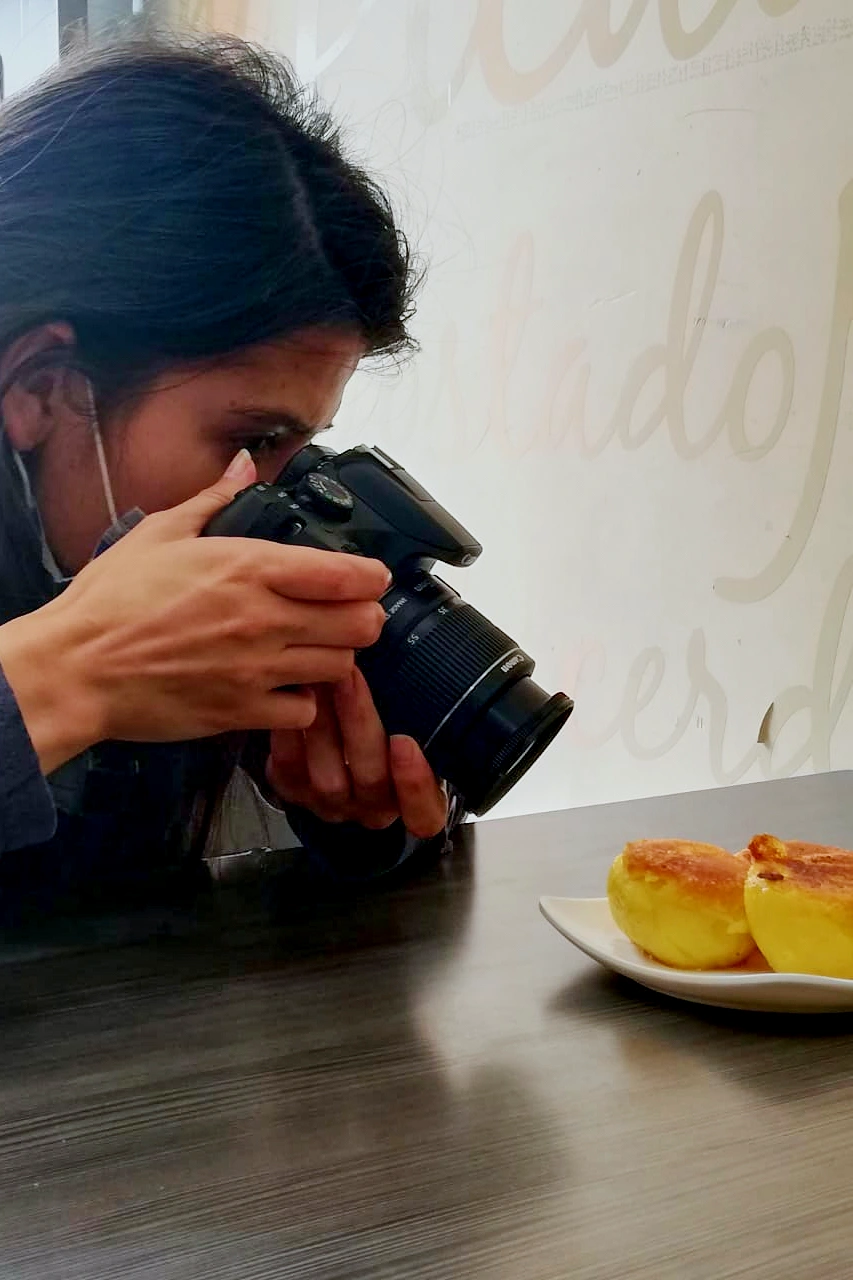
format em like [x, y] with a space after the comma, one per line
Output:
[239, 465]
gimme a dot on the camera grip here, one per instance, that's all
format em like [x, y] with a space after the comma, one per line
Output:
[238, 519]
[263, 511]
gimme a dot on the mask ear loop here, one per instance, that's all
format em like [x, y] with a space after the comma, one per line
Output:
[99, 450]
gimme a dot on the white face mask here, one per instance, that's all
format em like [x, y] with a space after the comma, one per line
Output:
[102, 457]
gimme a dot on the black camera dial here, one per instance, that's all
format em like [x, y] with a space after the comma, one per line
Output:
[325, 496]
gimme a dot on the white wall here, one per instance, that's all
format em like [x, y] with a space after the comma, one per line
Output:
[639, 222]
[29, 40]
[634, 331]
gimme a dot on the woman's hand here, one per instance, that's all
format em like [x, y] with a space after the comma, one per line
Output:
[169, 636]
[344, 768]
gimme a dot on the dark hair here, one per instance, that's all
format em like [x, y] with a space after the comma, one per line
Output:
[175, 200]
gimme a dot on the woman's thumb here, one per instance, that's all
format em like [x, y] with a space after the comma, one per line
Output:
[190, 517]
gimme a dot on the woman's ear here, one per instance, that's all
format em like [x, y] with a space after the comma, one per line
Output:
[37, 402]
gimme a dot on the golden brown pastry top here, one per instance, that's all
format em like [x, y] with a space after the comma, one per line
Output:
[818, 868]
[704, 870]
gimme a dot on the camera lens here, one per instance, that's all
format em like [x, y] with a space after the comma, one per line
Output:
[443, 674]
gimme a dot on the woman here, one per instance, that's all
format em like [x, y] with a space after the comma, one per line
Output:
[190, 272]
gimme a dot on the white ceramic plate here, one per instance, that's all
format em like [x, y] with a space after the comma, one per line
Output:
[587, 923]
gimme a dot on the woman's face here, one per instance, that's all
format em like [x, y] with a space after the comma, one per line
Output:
[181, 434]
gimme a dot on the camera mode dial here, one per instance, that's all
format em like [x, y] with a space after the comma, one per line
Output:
[325, 496]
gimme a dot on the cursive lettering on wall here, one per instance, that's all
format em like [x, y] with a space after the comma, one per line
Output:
[671, 364]
[798, 732]
[607, 42]
[658, 378]
[780, 567]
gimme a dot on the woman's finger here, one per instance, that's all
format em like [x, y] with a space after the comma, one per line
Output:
[423, 804]
[290, 709]
[287, 768]
[351, 625]
[327, 769]
[365, 746]
[309, 664]
[306, 573]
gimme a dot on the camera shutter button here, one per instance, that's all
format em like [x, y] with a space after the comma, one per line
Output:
[325, 496]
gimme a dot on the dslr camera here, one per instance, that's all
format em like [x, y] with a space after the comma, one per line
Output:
[441, 672]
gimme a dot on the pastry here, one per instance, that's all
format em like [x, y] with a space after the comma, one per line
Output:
[799, 904]
[682, 903]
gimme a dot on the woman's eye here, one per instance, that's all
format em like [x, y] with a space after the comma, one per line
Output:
[268, 442]
[276, 439]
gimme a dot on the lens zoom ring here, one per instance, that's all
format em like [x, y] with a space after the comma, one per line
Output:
[429, 677]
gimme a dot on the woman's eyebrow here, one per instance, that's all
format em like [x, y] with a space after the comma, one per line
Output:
[279, 418]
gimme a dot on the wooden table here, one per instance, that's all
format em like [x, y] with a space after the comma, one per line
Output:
[428, 1083]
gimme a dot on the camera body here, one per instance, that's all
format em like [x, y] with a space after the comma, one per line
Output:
[361, 502]
[441, 672]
